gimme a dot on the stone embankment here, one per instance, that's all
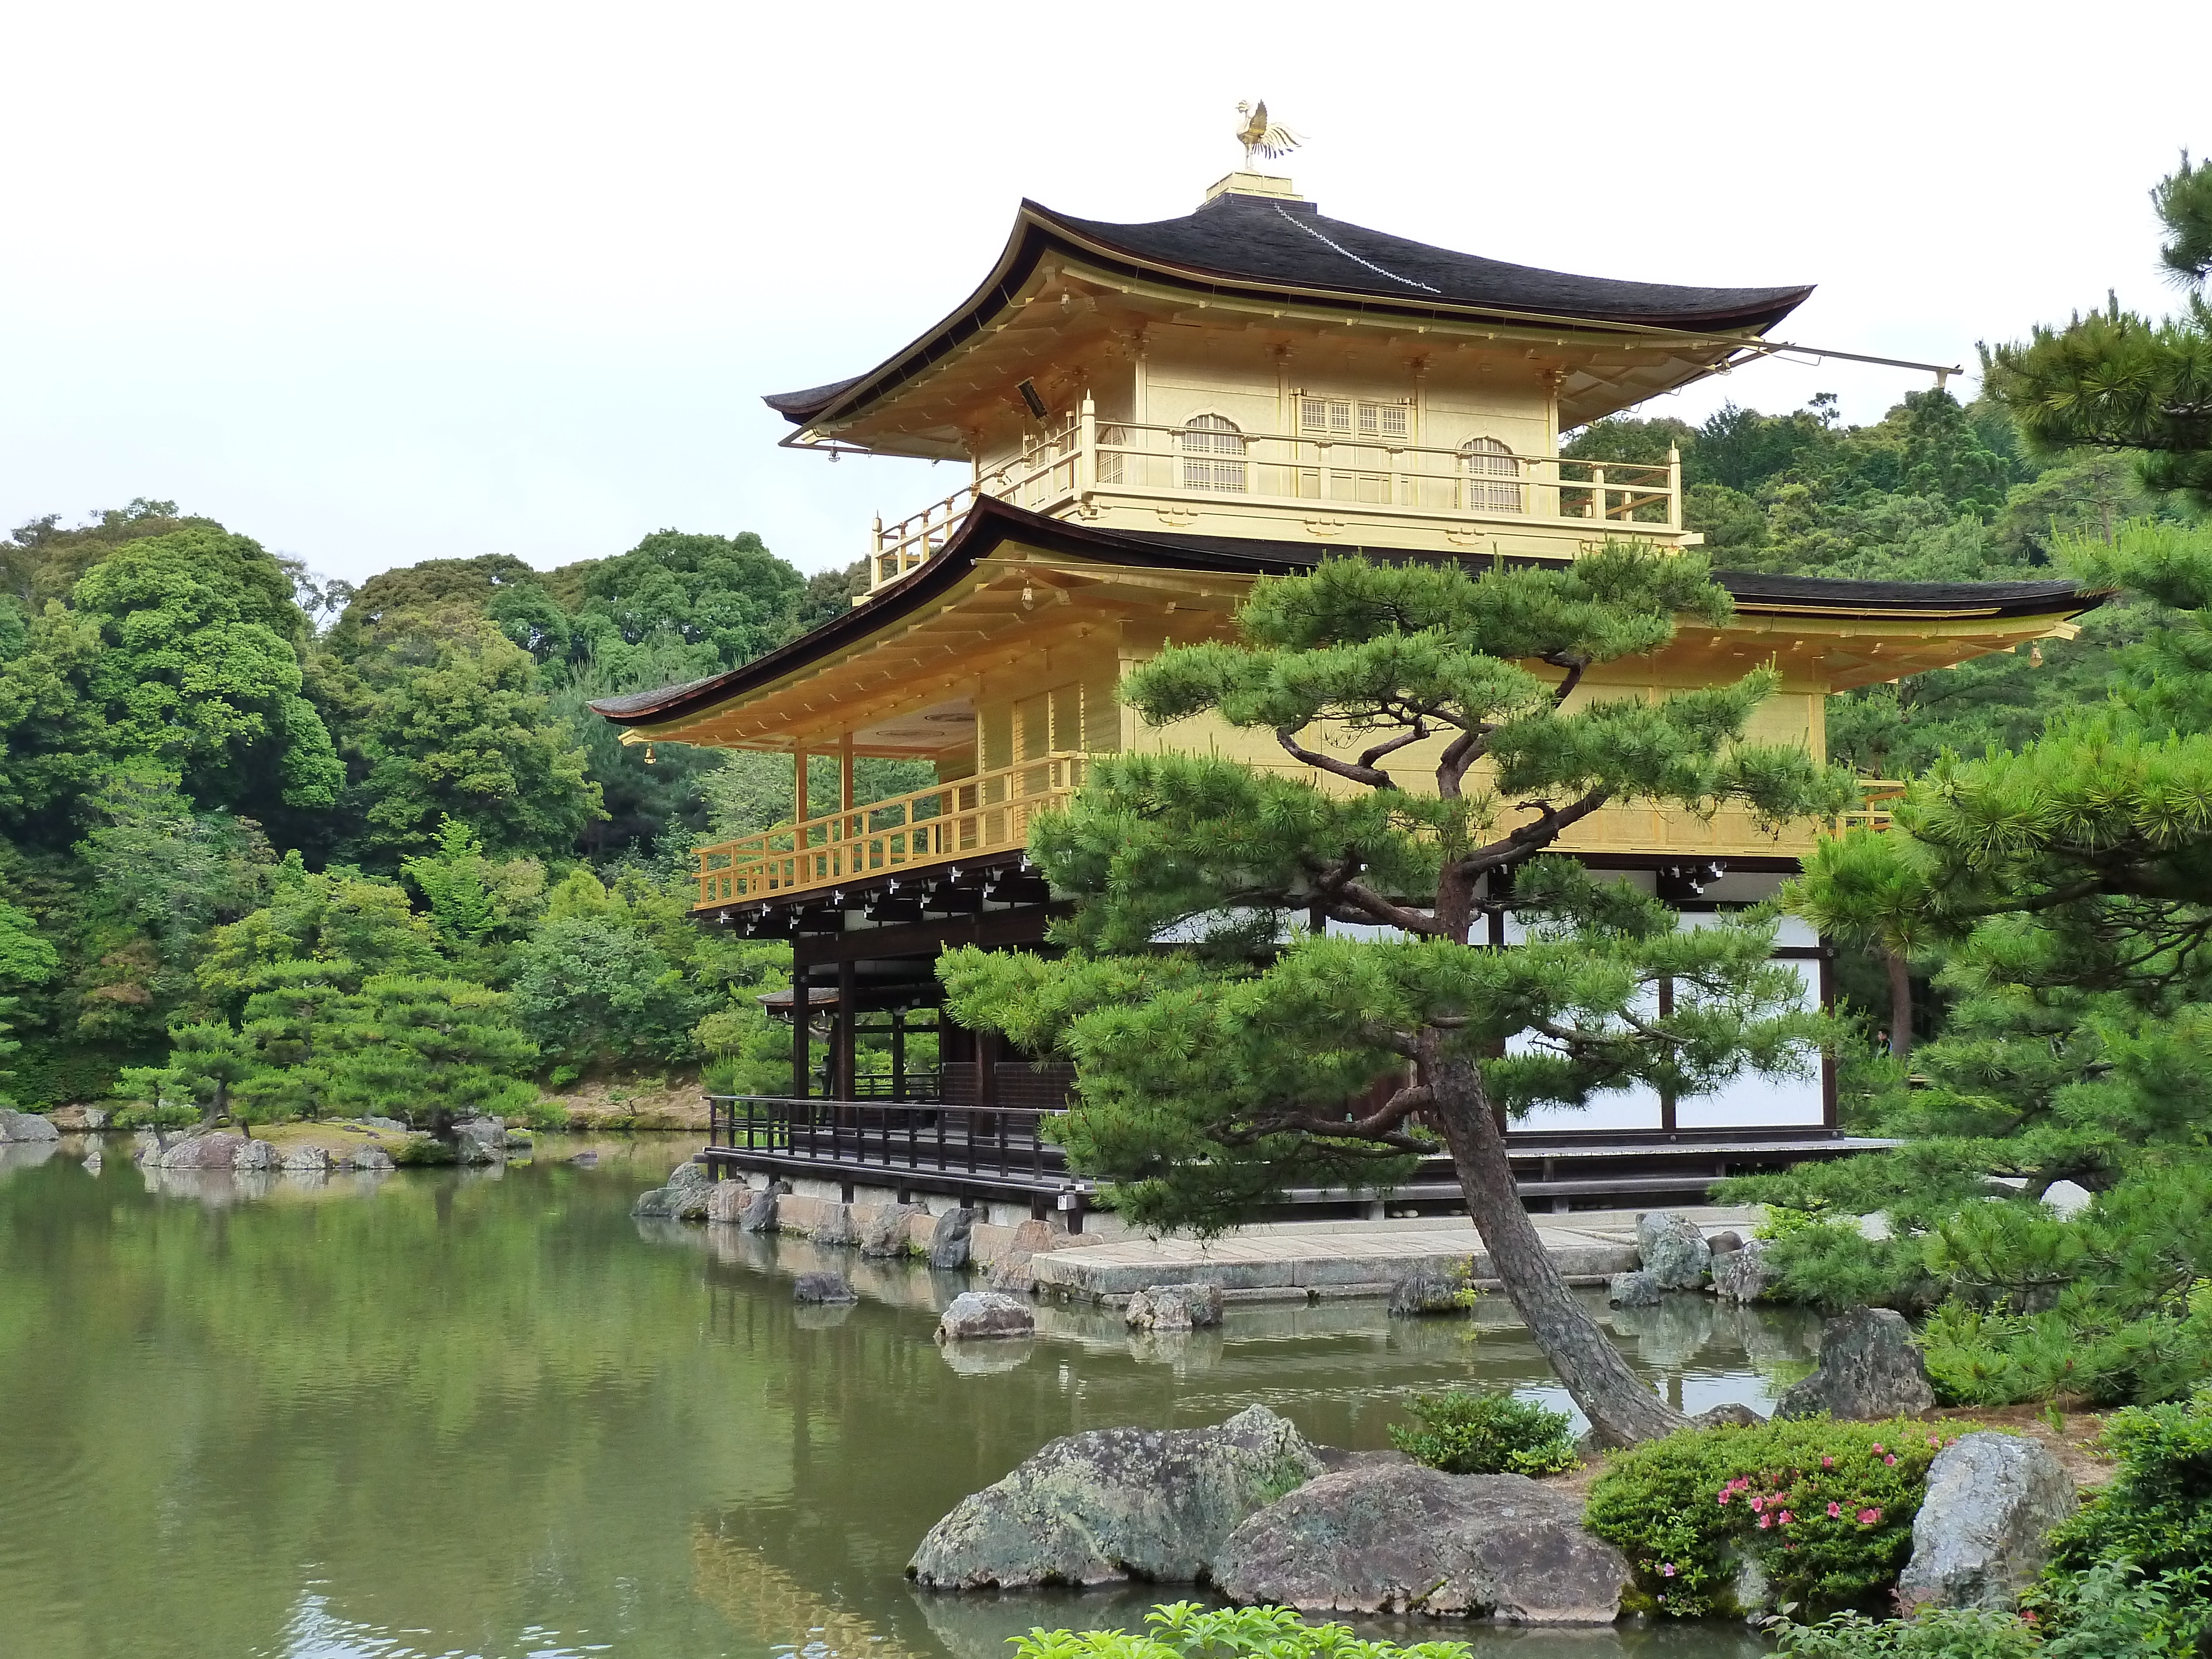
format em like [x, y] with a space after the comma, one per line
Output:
[361, 1146]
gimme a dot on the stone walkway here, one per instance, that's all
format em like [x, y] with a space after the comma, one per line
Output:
[1303, 1261]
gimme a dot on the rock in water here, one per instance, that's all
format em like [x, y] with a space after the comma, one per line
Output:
[308, 1159]
[835, 1226]
[1673, 1252]
[26, 1127]
[1635, 1290]
[256, 1155]
[1869, 1369]
[483, 1140]
[1983, 1531]
[1721, 1243]
[822, 1287]
[373, 1159]
[213, 1151]
[885, 1232]
[73, 1119]
[725, 1201]
[1398, 1538]
[981, 1315]
[1010, 1272]
[684, 1199]
[1742, 1274]
[759, 1215]
[1427, 1293]
[948, 1244]
[1174, 1308]
[1111, 1504]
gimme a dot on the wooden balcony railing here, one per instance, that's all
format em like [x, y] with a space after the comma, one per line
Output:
[987, 812]
[1873, 812]
[1482, 482]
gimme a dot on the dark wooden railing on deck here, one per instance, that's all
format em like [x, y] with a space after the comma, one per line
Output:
[856, 1136]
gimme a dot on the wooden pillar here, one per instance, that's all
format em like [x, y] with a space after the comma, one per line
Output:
[848, 1017]
[1666, 1102]
[800, 1083]
[849, 828]
[799, 785]
[898, 1053]
[986, 1070]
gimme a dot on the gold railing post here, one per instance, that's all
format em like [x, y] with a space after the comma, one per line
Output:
[1087, 446]
[1674, 487]
[1597, 493]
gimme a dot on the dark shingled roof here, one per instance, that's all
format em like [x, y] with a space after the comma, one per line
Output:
[1269, 246]
[993, 521]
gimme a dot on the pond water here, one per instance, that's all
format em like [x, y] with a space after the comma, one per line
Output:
[458, 1413]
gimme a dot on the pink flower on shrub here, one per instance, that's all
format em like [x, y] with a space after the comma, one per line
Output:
[1877, 1449]
[1868, 1518]
[1668, 1569]
[1765, 1520]
[1787, 1518]
[1723, 1497]
[1835, 1511]
[1891, 1458]
[1935, 1440]
[1827, 1463]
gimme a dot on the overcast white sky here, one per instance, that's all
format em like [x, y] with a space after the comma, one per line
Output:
[376, 284]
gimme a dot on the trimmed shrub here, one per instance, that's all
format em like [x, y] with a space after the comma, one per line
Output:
[1824, 1510]
[1184, 1630]
[1487, 1432]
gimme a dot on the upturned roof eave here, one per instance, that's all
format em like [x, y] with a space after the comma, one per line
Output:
[1037, 227]
[993, 521]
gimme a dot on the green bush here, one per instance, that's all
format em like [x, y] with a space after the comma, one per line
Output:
[1489, 1432]
[425, 1150]
[1823, 1509]
[1183, 1630]
[1953, 1633]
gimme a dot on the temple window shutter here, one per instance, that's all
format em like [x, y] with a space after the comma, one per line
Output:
[1493, 476]
[1207, 440]
[1345, 418]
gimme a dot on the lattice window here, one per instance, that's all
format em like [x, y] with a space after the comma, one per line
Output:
[1346, 418]
[1492, 476]
[1207, 440]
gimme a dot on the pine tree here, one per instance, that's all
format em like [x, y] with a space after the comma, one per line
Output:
[1213, 1076]
[2110, 379]
[430, 1052]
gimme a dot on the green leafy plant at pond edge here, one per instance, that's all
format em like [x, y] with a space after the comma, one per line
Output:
[1487, 1432]
[1184, 1630]
[1824, 1510]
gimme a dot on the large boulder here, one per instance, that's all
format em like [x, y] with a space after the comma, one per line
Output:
[214, 1151]
[727, 1201]
[1010, 1268]
[835, 1226]
[74, 1120]
[26, 1127]
[1174, 1308]
[985, 1316]
[1632, 1289]
[822, 1287]
[305, 1159]
[883, 1233]
[1397, 1538]
[684, 1199]
[757, 1214]
[257, 1155]
[1983, 1531]
[1111, 1504]
[949, 1242]
[1743, 1275]
[1673, 1251]
[1427, 1293]
[373, 1160]
[483, 1140]
[1868, 1370]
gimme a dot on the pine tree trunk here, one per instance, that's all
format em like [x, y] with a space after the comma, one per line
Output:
[1622, 1411]
[1901, 1004]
